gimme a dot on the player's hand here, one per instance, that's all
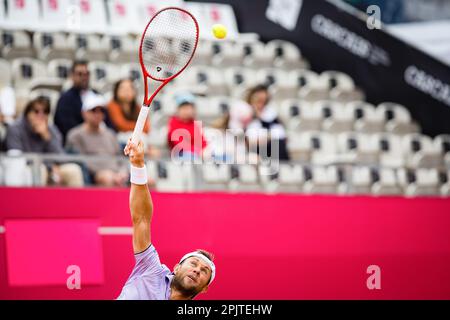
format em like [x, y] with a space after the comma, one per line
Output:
[135, 153]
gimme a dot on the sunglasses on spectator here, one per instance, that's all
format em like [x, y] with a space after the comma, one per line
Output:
[81, 73]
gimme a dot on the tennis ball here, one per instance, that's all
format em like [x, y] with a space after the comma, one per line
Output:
[219, 31]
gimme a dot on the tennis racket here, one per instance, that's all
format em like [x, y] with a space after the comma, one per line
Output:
[167, 46]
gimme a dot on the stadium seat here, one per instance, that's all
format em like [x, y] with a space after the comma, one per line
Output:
[29, 74]
[120, 49]
[256, 55]
[238, 80]
[360, 180]
[51, 46]
[385, 182]
[442, 144]
[227, 54]
[299, 115]
[336, 117]
[215, 176]
[420, 182]
[202, 80]
[103, 75]
[324, 180]
[286, 55]
[16, 44]
[358, 148]
[203, 53]
[16, 171]
[397, 117]
[59, 68]
[340, 86]
[209, 109]
[170, 176]
[316, 147]
[278, 83]
[444, 180]
[5, 73]
[87, 47]
[335, 79]
[290, 178]
[420, 151]
[391, 153]
[308, 84]
[244, 178]
[366, 120]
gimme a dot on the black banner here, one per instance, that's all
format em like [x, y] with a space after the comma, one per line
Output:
[387, 69]
[241, 310]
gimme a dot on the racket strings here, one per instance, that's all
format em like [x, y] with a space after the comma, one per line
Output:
[168, 43]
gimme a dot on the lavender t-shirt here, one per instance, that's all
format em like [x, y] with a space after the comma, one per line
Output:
[149, 280]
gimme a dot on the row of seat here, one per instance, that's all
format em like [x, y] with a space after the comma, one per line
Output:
[298, 178]
[281, 178]
[28, 73]
[387, 150]
[121, 49]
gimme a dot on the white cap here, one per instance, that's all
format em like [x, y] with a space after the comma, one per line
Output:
[92, 100]
[204, 259]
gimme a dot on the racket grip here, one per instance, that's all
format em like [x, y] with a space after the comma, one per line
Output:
[139, 125]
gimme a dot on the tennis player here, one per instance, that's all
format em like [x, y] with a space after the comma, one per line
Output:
[151, 280]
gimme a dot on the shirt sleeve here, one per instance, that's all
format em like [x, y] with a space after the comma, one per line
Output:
[147, 263]
[13, 139]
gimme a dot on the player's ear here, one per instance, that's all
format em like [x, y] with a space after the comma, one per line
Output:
[176, 268]
[205, 289]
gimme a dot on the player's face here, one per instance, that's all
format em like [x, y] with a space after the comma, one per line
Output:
[193, 274]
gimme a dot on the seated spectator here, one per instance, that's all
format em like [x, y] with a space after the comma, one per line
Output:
[123, 109]
[68, 109]
[265, 130]
[93, 137]
[32, 133]
[185, 137]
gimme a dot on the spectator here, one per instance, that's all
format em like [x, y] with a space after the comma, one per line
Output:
[32, 133]
[265, 128]
[93, 137]
[68, 109]
[185, 137]
[123, 109]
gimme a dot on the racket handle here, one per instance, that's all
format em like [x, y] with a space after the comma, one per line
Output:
[140, 125]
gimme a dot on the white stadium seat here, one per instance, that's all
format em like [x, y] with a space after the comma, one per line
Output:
[51, 46]
[87, 47]
[15, 44]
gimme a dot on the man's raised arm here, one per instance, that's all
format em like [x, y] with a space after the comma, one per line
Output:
[141, 206]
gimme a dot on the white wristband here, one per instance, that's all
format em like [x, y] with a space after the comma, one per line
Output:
[138, 175]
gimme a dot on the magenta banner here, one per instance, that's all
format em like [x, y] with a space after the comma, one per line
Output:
[266, 246]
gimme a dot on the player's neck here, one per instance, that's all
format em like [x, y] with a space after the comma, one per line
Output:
[177, 295]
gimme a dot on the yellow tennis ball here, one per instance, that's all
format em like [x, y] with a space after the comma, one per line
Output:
[219, 31]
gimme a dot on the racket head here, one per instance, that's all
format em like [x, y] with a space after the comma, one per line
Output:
[167, 45]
